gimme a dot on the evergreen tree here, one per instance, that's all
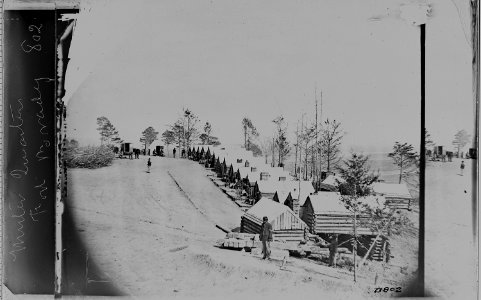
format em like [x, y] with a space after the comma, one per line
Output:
[357, 175]
[405, 158]
[168, 138]
[108, 134]
[149, 135]
[250, 132]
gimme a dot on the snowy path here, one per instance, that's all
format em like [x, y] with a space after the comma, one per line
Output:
[130, 214]
[450, 258]
[153, 234]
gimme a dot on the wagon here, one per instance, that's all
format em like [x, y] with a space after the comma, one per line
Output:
[159, 150]
[126, 149]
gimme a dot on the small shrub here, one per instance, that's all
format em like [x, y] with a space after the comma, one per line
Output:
[91, 157]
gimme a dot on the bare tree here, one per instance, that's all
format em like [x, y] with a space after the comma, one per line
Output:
[206, 137]
[266, 147]
[281, 142]
[428, 141]
[331, 142]
[207, 131]
[179, 133]
[191, 134]
[185, 129]
[250, 132]
[461, 139]
[306, 137]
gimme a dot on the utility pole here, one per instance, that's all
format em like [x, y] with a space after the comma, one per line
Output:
[305, 149]
[300, 149]
[297, 146]
[354, 248]
[273, 150]
[316, 177]
[320, 149]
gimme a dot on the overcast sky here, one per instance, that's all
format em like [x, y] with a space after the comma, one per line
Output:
[139, 66]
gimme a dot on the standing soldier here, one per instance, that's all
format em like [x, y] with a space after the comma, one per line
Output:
[174, 152]
[462, 168]
[266, 238]
[149, 164]
[333, 250]
[306, 235]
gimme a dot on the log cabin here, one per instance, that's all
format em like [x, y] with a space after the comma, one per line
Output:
[299, 192]
[285, 224]
[324, 213]
[268, 188]
[397, 195]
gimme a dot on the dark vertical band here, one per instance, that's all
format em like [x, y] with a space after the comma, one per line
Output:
[29, 122]
[422, 164]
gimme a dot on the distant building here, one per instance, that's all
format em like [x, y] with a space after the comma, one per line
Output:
[397, 195]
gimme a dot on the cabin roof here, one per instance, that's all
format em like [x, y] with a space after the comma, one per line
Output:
[244, 171]
[329, 202]
[306, 190]
[282, 195]
[270, 209]
[391, 190]
[272, 186]
[256, 161]
[323, 202]
[333, 180]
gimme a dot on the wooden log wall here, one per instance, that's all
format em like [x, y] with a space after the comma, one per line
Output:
[398, 203]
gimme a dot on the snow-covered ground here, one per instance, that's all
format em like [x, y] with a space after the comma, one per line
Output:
[451, 259]
[152, 234]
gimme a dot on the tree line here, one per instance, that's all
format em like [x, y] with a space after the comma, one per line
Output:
[185, 132]
[316, 149]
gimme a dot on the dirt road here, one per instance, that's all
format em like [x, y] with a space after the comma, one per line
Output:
[153, 234]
